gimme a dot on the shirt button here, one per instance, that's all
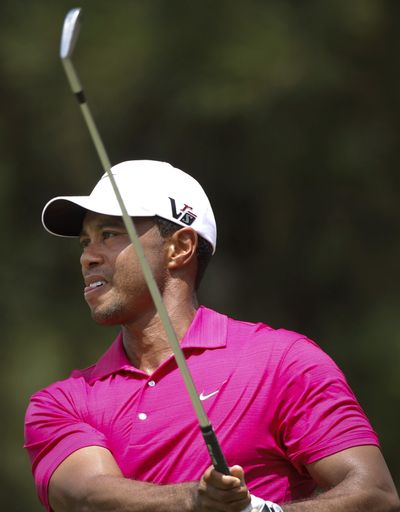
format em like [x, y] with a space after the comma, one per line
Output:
[151, 383]
[142, 416]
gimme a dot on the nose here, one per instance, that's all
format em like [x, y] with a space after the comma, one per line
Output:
[91, 256]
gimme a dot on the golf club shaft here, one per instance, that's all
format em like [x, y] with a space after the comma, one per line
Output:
[209, 436]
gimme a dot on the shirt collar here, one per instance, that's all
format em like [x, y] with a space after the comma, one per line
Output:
[208, 330]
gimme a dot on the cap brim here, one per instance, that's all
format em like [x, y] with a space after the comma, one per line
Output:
[63, 216]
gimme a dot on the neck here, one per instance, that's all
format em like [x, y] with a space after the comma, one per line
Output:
[145, 341]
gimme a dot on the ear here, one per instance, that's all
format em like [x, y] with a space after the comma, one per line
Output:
[182, 247]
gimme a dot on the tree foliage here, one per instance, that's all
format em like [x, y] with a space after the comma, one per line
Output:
[287, 112]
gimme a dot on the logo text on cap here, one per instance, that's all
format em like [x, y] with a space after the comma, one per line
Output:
[185, 215]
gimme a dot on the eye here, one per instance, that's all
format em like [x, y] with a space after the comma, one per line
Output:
[84, 242]
[109, 234]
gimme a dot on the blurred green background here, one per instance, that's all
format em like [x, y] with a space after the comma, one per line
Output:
[287, 112]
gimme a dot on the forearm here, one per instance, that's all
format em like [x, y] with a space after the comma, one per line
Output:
[375, 500]
[117, 494]
[355, 480]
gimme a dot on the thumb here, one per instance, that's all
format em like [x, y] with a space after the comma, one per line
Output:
[238, 472]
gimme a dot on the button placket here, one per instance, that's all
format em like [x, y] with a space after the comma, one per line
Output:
[142, 416]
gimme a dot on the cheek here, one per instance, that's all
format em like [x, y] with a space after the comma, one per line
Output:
[128, 269]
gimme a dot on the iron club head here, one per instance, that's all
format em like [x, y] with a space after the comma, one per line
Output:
[70, 33]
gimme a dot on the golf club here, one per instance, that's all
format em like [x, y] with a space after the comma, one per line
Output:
[68, 40]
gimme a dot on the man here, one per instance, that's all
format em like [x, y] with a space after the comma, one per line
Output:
[121, 435]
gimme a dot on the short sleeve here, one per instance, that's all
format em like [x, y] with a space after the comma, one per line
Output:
[55, 427]
[318, 412]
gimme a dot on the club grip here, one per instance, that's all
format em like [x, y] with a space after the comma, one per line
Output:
[214, 450]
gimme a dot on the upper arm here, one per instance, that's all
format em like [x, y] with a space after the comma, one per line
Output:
[70, 481]
[317, 415]
[56, 426]
[361, 468]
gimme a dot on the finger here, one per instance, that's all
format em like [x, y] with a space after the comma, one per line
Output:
[207, 504]
[220, 481]
[217, 496]
[225, 495]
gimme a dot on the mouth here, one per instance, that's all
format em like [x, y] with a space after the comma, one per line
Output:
[93, 285]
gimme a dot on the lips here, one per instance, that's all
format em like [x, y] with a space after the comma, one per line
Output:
[94, 283]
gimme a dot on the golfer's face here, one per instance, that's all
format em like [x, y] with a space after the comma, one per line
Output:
[115, 289]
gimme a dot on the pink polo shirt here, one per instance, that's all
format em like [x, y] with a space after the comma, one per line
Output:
[276, 401]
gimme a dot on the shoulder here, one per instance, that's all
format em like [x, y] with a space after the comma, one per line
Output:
[81, 380]
[84, 374]
[288, 352]
[264, 336]
[76, 379]
[69, 393]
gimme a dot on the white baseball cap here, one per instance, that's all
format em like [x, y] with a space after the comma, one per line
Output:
[148, 188]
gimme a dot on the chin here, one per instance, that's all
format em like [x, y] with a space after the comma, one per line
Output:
[100, 320]
[107, 316]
